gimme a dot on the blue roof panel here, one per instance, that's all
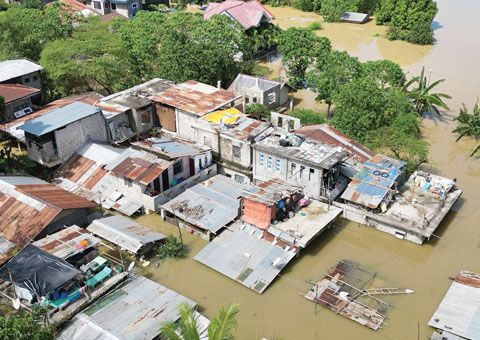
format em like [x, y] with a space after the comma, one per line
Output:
[58, 118]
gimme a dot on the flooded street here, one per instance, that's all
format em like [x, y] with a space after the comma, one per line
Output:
[281, 311]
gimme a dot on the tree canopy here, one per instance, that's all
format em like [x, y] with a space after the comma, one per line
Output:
[25, 31]
[24, 326]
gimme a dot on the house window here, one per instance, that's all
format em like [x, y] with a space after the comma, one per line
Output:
[271, 98]
[35, 78]
[26, 80]
[280, 122]
[97, 5]
[239, 179]
[113, 6]
[310, 174]
[254, 100]
[134, 5]
[270, 162]
[294, 166]
[127, 182]
[247, 99]
[177, 168]
[145, 117]
[278, 163]
[291, 125]
[261, 159]
[236, 151]
[301, 170]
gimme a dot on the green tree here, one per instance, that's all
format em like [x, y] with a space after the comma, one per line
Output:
[221, 327]
[330, 73]
[409, 20]
[469, 125]
[385, 73]
[172, 247]
[258, 111]
[24, 326]
[92, 59]
[419, 90]
[308, 116]
[25, 31]
[300, 47]
[332, 10]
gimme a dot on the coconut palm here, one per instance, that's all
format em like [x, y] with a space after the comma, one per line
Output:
[469, 124]
[422, 97]
[220, 328]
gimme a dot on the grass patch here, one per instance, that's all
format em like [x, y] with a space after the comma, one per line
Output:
[314, 26]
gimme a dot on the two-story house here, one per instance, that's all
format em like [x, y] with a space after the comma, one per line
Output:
[21, 71]
[180, 106]
[52, 138]
[255, 90]
[137, 104]
[302, 162]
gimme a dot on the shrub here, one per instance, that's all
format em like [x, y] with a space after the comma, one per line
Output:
[258, 111]
[172, 247]
[314, 26]
[308, 116]
[303, 5]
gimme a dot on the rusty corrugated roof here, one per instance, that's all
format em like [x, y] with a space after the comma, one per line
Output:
[195, 97]
[55, 196]
[138, 169]
[12, 92]
[270, 192]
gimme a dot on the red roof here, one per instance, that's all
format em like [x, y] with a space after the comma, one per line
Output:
[12, 92]
[247, 13]
[138, 169]
[327, 134]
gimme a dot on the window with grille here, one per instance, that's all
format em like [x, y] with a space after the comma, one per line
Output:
[261, 160]
[236, 151]
[270, 162]
[278, 163]
[239, 179]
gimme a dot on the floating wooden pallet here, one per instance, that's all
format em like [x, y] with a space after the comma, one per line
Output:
[387, 291]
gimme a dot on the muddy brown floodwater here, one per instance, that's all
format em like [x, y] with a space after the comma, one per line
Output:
[281, 311]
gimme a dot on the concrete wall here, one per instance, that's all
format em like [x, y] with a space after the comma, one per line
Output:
[226, 154]
[208, 138]
[310, 179]
[44, 154]
[71, 137]
[283, 121]
[117, 121]
[185, 123]
[237, 175]
[33, 80]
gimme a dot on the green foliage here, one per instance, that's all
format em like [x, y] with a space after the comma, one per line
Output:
[172, 247]
[92, 59]
[258, 111]
[385, 73]
[221, 327]
[314, 26]
[409, 20]
[308, 116]
[419, 90]
[300, 47]
[332, 10]
[469, 125]
[331, 72]
[24, 326]
[263, 37]
[303, 5]
[25, 31]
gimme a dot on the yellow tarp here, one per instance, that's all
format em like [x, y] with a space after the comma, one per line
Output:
[229, 116]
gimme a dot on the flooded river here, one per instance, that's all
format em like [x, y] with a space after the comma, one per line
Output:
[281, 311]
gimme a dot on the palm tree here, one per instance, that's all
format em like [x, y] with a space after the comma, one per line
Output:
[220, 328]
[421, 96]
[469, 125]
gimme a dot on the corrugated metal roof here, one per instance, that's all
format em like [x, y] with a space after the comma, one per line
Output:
[247, 13]
[124, 232]
[325, 133]
[270, 191]
[14, 68]
[375, 179]
[245, 129]
[66, 242]
[171, 147]
[358, 18]
[12, 92]
[245, 257]
[248, 81]
[58, 118]
[136, 310]
[459, 311]
[227, 116]
[194, 97]
[28, 205]
[209, 205]
[309, 151]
